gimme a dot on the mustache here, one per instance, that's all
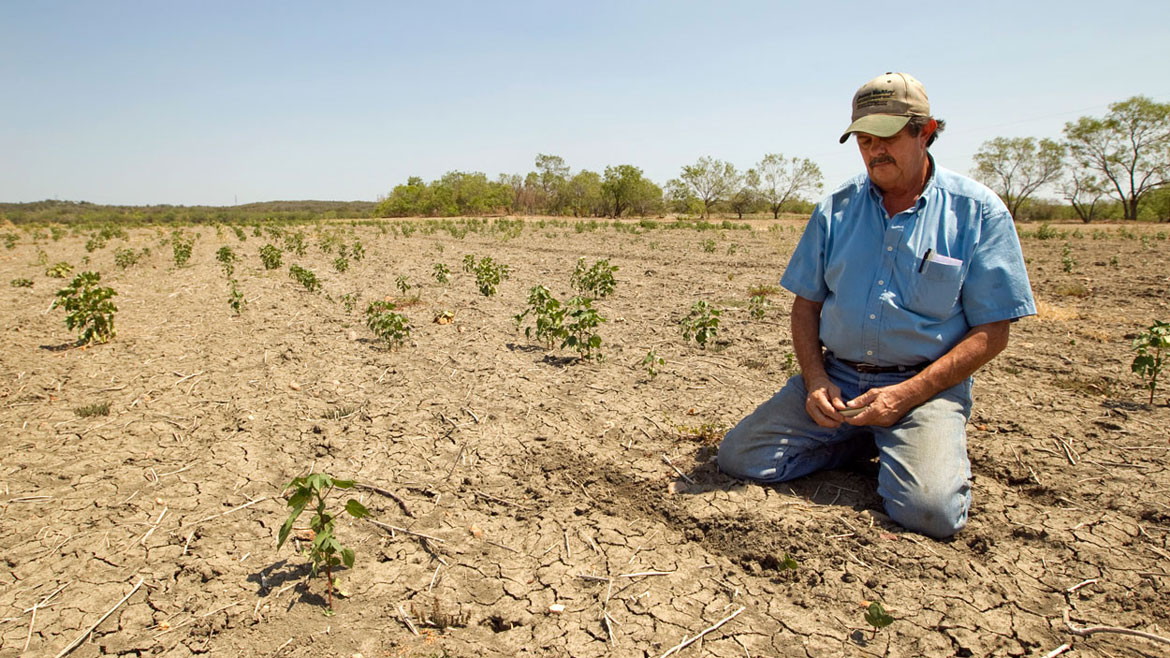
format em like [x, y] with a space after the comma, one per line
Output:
[881, 159]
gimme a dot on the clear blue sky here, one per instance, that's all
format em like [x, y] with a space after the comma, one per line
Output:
[209, 102]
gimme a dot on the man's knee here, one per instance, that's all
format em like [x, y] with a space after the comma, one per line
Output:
[732, 457]
[936, 516]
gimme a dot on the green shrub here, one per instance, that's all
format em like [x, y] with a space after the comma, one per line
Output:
[442, 274]
[489, 274]
[594, 281]
[391, 327]
[548, 315]
[271, 257]
[580, 322]
[125, 257]
[226, 258]
[702, 323]
[240, 234]
[88, 307]
[21, 283]
[59, 271]
[295, 242]
[181, 244]
[305, 277]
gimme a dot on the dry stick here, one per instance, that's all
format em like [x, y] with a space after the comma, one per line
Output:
[142, 542]
[686, 643]
[406, 620]
[234, 509]
[286, 643]
[389, 494]
[81, 638]
[186, 378]
[1089, 630]
[1058, 650]
[680, 473]
[394, 528]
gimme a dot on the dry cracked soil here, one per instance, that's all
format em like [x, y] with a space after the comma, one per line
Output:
[532, 504]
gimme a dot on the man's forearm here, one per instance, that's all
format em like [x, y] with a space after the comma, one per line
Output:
[981, 344]
[806, 339]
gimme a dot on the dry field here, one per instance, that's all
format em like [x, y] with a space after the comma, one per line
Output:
[530, 481]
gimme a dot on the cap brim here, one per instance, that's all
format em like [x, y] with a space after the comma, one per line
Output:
[880, 125]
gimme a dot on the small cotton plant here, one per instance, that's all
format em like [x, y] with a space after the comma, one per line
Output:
[88, 307]
[324, 550]
[1152, 347]
[390, 326]
[702, 323]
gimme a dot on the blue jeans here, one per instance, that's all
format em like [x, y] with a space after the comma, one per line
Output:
[924, 475]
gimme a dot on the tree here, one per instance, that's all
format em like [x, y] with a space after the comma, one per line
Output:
[1129, 147]
[553, 174]
[1015, 167]
[584, 195]
[748, 194]
[1083, 191]
[647, 198]
[783, 180]
[710, 180]
[405, 200]
[622, 186]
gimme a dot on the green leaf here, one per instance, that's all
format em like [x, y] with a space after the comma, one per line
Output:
[347, 557]
[299, 499]
[284, 530]
[343, 484]
[877, 616]
[356, 509]
[788, 563]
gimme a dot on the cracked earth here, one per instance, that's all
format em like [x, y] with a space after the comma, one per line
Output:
[549, 507]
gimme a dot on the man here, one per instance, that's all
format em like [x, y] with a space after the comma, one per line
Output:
[906, 281]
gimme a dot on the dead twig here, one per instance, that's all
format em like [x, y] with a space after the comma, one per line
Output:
[680, 473]
[81, 638]
[394, 528]
[234, 509]
[686, 643]
[406, 620]
[1090, 630]
[389, 494]
[39, 604]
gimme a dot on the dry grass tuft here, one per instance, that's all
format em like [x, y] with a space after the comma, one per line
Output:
[1046, 312]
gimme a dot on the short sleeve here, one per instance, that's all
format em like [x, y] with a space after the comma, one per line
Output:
[996, 287]
[805, 274]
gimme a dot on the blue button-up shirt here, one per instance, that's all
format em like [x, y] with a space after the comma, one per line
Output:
[905, 289]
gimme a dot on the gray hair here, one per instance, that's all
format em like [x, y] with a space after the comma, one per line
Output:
[918, 123]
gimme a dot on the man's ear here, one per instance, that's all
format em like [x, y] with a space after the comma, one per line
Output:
[931, 126]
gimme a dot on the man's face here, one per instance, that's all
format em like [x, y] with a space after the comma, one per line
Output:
[897, 163]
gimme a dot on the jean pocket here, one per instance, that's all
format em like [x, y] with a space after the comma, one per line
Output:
[935, 292]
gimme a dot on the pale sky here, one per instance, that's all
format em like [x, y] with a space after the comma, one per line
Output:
[214, 102]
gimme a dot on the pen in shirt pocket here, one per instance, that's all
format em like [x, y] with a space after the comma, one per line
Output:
[925, 257]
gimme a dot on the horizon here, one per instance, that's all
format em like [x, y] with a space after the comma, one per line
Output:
[134, 104]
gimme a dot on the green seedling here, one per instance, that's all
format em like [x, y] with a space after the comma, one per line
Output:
[876, 616]
[240, 234]
[42, 257]
[548, 315]
[21, 283]
[758, 305]
[91, 245]
[594, 281]
[348, 300]
[1151, 347]
[226, 258]
[402, 283]
[702, 323]
[489, 274]
[295, 242]
[788, 563]
[59, 271]
[341, 263]
[235, 297]
[271, 256]
[442, 274]
[652, 362]
[391, 327]
[10, 240]
[305, 277]
[324, 550]
[790, 364]
[181, 247]
[580, 322]
[468, 263]
[125, 257]
[358, 252]
[1067, 263]
[88, 307]
[708, 245]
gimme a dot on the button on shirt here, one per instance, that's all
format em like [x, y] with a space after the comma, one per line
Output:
[905, 289]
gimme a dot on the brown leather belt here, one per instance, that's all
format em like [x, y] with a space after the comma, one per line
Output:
[869, 368]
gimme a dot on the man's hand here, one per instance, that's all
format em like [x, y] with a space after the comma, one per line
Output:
[883, 406]
[823, 401]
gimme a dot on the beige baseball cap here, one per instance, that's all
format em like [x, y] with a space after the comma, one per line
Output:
[885, 104]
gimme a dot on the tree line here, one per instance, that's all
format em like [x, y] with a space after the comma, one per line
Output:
[775, 184]
[1118, 164]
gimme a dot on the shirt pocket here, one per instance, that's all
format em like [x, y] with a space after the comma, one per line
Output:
[935, 290]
